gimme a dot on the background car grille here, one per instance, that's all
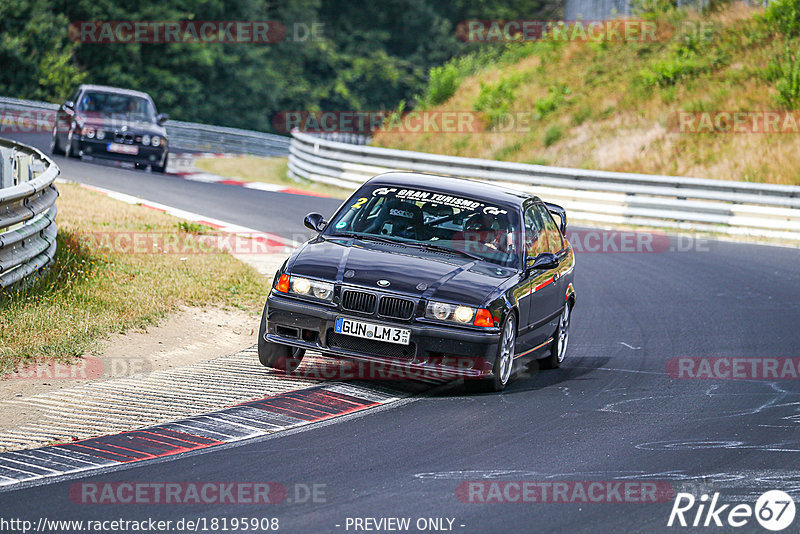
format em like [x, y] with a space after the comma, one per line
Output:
[371, 347]
[359, 301]
[123, 138]
[396, 307]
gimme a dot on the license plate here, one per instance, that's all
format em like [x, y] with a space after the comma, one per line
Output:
[378, 332]
[123, 149]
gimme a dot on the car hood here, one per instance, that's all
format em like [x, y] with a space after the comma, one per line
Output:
[409, 271]
[118, 122]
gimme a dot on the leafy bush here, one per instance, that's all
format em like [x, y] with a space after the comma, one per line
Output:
[784, 72]
[494, 99]
[785, 15]
[442, 84]
[553, 135]
[555, 97]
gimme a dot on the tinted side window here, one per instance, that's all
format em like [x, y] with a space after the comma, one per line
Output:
[535, 237]
[554, 239]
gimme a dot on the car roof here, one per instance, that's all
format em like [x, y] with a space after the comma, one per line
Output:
[109, 89]
[462, 187]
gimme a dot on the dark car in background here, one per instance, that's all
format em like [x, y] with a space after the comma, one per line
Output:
[435, 275]
[108, 122]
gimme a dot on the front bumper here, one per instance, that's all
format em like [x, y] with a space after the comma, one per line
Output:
[436, 351]
[147, 155]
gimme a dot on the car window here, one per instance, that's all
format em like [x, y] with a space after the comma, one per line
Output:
[535, 237]
[117, 105]
[553, 235]
[439, 218]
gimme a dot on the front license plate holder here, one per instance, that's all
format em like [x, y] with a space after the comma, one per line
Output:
[376, 332]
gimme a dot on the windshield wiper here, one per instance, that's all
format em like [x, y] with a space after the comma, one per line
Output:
[369, 237]
[441, 248]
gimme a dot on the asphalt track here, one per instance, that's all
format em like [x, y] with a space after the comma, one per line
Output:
[612, 413]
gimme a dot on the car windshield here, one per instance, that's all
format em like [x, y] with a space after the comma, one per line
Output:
[436, 220]
[134, 107]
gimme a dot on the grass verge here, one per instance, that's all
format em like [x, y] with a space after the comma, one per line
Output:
[267, 170]
[96, 287]
[620, 105]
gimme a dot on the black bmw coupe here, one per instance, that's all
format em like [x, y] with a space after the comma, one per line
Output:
[431, 274]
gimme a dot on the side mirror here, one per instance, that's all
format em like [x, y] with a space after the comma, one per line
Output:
[161, 118]
[315, 221]
[544, 261]
[68, 105]
[561, 213]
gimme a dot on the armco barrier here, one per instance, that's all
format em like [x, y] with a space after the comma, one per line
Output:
[27, 211]
[182, 135]
[598, 197]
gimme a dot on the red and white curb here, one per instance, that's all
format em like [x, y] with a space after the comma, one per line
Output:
[268, 239]
[183, 165]
[248, 420]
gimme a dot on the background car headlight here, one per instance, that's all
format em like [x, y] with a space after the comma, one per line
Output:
[311, 288]
[89, 132]
[145, 140]
[155, 141]
[101, 134]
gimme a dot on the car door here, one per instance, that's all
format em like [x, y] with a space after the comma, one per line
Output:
[542, 283]
[557, 245]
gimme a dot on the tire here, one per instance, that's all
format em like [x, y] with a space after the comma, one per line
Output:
[502, 370]
[54, 147]
[159, 168]
[558, 349]
[69, 149]
[276, 356]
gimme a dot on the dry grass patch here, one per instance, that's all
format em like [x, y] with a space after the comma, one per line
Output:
[95, 289]
[608, 105]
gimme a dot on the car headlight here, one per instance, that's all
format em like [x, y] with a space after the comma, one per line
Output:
[101, 134]
[443, 311]
[155, 141]
[146, 140]
[455, 313]
[89, 132]
[297, 285]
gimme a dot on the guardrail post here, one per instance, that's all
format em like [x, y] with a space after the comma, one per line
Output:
[6, 170]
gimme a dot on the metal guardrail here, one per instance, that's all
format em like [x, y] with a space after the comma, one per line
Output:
[27, 211]
[182, 135]
[598, 197]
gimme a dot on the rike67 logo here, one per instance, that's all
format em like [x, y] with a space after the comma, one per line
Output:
[774, 510]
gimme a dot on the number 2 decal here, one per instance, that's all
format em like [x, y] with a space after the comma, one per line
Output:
[360, 202]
